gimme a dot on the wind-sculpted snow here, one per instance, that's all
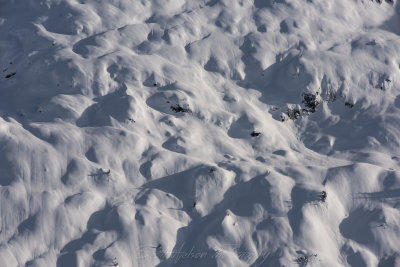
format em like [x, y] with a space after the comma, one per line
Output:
[199, 133]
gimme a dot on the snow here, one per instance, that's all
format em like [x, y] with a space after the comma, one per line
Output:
[127, 133]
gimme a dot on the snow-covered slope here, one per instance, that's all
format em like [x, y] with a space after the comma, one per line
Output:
[199, 133]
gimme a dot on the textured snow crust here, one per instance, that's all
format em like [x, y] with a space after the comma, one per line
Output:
[199, 133]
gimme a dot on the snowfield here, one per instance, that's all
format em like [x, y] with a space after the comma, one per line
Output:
[199, 133]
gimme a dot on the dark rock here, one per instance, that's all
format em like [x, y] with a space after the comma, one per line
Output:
[178, 108]
[10, 75]
[323, 196]
[212, 169]
[310, 101]
[294, 114]
[348, 104]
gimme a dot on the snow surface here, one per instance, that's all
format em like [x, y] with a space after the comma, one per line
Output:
[199, 133]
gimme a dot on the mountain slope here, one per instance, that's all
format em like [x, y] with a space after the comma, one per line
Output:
[201, 133]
